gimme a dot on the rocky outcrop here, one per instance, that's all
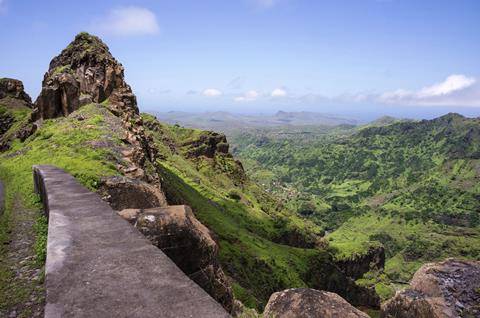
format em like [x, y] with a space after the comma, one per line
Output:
[177, 232]
[12, 98]
[323, 274]
[309, 303]
[86, 72]
[83, 73]
[207, 144]
[439, 290]
[13, 88]
[356, 266]
[125, 193]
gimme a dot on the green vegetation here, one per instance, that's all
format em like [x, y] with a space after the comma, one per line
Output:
[246, 221]
[412, 186]
[66, 142]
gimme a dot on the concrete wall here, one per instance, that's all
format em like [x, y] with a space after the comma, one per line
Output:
[98, 265]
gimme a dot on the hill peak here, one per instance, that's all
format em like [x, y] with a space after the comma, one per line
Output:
[84, 72]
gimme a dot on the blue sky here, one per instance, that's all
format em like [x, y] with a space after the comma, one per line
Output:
[401, 57]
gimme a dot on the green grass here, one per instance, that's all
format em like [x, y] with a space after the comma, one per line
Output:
[66, 143]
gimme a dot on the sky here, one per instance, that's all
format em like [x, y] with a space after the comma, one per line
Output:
[366, 58]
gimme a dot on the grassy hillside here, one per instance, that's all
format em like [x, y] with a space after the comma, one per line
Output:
[252, 228]
[413, 186]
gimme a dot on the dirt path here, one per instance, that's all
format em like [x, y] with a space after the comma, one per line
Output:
[21, 277]
[2, 198]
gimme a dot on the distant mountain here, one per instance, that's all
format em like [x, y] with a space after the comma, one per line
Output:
[227, 122]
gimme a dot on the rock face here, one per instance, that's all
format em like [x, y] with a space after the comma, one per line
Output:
[207, 145]
[125, 193]
[12, 98]
[439, 290]
[13, 88]
[84, 72]
[177, 232]
[324, 274]
[309, 303]
[355, 267]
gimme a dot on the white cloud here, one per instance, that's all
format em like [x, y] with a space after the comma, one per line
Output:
[452, 84]
[127, 21]
[211, 92]
[278, 92]
[247, 97]
[455, 90]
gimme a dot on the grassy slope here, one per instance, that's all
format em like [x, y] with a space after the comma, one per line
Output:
[402, 185]
[245, 223]
[245, 220]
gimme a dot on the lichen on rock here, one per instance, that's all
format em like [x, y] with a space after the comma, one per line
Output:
[439, 290]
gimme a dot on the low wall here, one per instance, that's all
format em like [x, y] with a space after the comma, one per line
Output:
[98, 265]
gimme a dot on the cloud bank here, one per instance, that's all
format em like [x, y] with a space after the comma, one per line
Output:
[455, 90]
[127, 21]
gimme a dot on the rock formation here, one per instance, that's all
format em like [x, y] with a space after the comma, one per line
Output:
[324, 274]
[125, 193]
[207, 144]
[177, 232]
[14, 89]
[309, 303]
[439, 290]
[355, 267]
[12, 98]
[86, 72]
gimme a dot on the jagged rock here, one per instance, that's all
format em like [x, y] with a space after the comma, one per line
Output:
[207, 144]
[439, 290]
[177, 232]
[125, 193]
[83, 72]
[324, 274]
[14, 88]
[12, 97]
[356, 266]
[309, 303]
[86, 72]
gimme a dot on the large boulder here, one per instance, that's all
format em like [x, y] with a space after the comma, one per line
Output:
[177, 232]
[309, 303]
[126, 193]
[439, 290]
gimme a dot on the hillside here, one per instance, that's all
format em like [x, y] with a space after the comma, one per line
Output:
[411, 186]
[86, 121]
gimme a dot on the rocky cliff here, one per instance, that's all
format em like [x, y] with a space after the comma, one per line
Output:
[357, 265]
[13, 101]
[439, 290]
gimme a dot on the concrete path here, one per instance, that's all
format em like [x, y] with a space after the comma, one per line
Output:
[98, 265]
